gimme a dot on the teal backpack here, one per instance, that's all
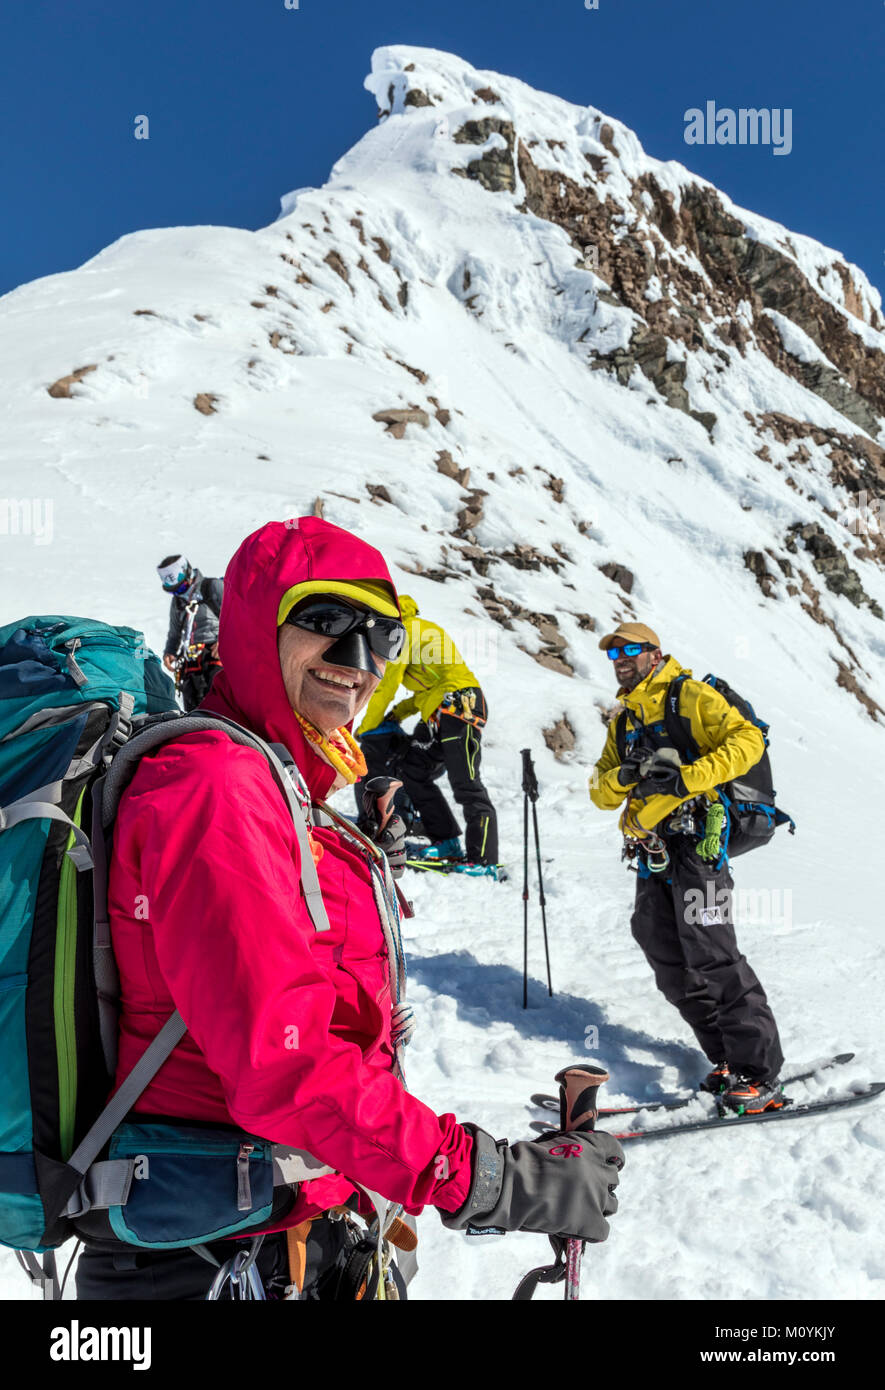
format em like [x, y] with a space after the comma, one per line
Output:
[80, 703]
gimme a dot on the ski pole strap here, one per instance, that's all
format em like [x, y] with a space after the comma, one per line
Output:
[544, 1274]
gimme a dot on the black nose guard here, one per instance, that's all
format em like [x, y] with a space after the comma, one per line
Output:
[352, 650]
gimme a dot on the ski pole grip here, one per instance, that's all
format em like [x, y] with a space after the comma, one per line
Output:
[529, 778]
[378, 794]
[578, 1088]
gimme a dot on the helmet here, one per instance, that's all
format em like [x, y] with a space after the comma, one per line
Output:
[175, 573]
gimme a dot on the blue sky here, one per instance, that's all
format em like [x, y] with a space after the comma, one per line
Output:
[248, 99]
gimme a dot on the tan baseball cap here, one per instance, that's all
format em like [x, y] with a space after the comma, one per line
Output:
[629, 632]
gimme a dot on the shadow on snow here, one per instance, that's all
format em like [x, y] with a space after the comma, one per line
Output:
[493, 993]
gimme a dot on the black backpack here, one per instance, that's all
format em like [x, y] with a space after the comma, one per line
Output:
[749, 799]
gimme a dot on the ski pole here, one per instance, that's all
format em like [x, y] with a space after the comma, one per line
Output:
[525, 900]
[530, 794]
[578, 1090]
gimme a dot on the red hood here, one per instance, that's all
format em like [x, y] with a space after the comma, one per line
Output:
[250, 687]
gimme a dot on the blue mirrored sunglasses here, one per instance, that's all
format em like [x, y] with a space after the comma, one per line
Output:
[628, 649]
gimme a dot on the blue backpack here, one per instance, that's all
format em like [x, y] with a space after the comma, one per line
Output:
[80, 703]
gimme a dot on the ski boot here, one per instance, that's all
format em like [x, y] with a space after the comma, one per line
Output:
[750, 1097]
[479, 868]
[444, 849]
[718, 1080]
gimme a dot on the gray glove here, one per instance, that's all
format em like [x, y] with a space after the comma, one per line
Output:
[559, 1184]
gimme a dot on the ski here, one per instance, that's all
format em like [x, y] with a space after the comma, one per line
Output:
[548, 1102]
[458, 866]
[728, 1119]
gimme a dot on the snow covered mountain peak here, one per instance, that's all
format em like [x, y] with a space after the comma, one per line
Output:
[551, 377]
[559, 384]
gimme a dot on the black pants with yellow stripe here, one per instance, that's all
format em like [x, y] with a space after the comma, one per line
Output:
[453, 746]
[684, 923]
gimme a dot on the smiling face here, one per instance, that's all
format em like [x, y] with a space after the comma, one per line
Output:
[326, 695]
[630, 670]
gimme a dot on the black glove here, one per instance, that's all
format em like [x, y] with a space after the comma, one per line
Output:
[628, 772]
[663, 782]
[661, 775]
[560, 1184]
[423, 736]
[382, 824]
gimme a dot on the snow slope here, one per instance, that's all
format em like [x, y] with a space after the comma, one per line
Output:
[400, 285]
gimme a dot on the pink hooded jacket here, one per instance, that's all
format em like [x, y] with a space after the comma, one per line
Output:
[288, 1029]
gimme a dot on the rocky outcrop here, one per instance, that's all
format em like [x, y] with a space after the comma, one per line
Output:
[61, 390]
[446, 465]
[846, 678]
[755, 562]
[619, 574]
[494, 168]
[743, 269]
[397, 419]
[470, 514]
[555, 645]
[831, 564]
[857, 464]
[701, 310]
[378, 492]
[205, 403]
[560, 738]
[335, 262]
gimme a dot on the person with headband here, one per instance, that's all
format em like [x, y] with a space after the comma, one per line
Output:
[191, 651]
[278, 941]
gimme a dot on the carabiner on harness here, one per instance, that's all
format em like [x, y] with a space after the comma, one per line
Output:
[240, 1272]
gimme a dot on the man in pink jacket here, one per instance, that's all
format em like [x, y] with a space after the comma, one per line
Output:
[291, 1033]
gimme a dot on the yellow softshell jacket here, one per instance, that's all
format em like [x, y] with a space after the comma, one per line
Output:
[729, 744]
[430, 665]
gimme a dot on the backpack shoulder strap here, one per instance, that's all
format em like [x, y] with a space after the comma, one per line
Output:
[677, 725]
[165, 730]
[108, 793]
[621, 734]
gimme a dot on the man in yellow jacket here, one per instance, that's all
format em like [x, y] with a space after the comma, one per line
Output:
[447, 696]
[682, 917]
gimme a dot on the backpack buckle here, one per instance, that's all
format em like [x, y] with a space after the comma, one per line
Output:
[121, 726]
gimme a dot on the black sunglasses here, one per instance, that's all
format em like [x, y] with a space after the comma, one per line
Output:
[385, 636]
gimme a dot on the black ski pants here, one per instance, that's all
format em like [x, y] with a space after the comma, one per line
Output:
[683, 920]
[197, 675]
[419, 760]
[454, 746]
